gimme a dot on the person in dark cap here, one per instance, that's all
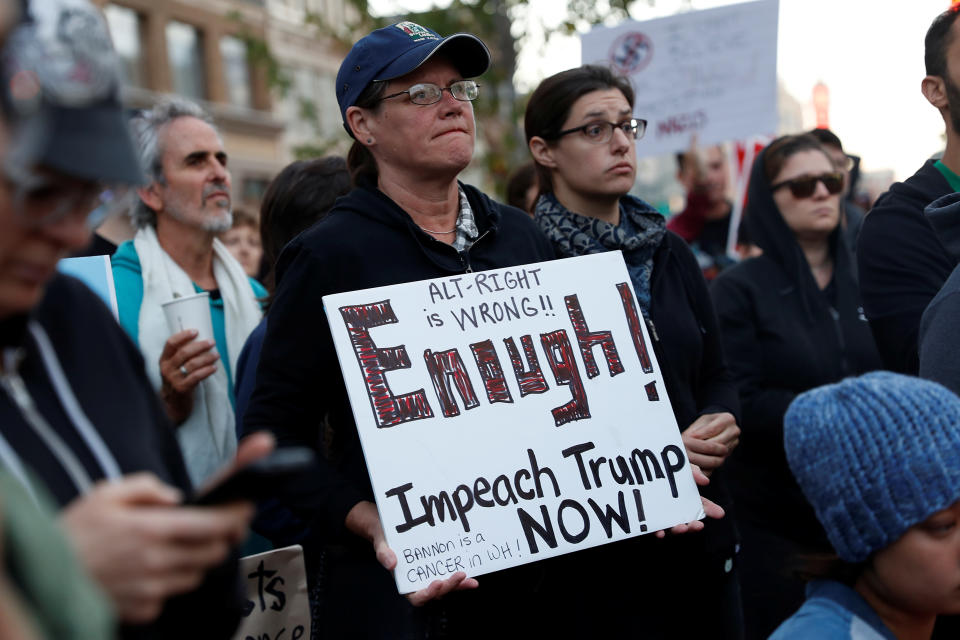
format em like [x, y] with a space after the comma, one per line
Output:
[877, 456]
[79, 423]
[405, 95]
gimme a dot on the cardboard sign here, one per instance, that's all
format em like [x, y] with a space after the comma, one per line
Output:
[510, 415]
[95, 272]
[278, 607]
[712, 73]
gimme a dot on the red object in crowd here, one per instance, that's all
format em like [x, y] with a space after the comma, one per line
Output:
[821, 104]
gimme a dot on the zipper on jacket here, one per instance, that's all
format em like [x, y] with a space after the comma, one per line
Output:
[465, 254]
[652, 328]
[844, 362]
[17, 390]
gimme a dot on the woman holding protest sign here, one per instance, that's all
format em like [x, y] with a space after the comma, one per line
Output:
[405, 96]
[582, 135]
[790, 322]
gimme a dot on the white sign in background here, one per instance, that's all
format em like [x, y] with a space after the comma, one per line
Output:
[569, 447]
[712, 73]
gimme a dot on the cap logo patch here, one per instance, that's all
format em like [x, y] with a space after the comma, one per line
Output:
[415, 31]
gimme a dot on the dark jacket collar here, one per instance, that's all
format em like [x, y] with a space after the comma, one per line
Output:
[367, 200]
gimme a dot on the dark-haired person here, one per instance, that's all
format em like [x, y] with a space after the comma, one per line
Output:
[904, 255]
[790, 322]
[405, 96]
[582, 134]
[298, 197]
[851, 215]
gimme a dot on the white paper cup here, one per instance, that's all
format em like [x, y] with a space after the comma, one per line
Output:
[190, 312]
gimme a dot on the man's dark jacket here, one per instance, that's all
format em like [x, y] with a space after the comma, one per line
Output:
[902, 264]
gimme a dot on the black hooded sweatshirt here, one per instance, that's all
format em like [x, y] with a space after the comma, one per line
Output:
[902, 264]
[782, 335]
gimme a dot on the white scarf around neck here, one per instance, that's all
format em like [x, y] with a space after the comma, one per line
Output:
[208, 436]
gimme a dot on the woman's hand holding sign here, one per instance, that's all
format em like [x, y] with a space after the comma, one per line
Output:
[710, 508]
[364, 521]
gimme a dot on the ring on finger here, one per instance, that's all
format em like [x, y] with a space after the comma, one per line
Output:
[183, 370]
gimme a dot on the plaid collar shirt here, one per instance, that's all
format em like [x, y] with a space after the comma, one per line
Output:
[466, 224]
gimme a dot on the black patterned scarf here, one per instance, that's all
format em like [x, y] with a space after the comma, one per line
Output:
[638, 235]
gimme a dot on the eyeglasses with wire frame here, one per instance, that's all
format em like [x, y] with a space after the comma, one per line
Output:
[601, 131]
[426, 93]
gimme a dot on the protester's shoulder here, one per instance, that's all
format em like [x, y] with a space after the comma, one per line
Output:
[75, 316]
[826, 619]
[343, 229]
[511, 223]
[68, 295]
[676, 248]
[905, 201]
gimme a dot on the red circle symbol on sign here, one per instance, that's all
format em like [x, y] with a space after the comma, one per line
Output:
[631, 52]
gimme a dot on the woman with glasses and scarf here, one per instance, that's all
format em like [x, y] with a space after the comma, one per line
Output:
[790, 321]
[582, 134]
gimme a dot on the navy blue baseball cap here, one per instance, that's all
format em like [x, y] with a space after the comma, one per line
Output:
[397, 50]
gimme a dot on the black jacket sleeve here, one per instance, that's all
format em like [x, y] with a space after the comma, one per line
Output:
[763, 405]
[902, 266]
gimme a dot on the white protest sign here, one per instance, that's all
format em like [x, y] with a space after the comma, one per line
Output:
[710, 72]
[278, 606]
[510, 415]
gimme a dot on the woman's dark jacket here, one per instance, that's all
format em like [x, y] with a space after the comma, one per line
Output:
[365, 241]
[782, 335]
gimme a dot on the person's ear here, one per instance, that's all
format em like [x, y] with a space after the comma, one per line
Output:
[359, 123]
[542, 152]
[151, 196]
[935, 91]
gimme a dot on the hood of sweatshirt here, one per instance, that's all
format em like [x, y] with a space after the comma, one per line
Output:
[770, 232]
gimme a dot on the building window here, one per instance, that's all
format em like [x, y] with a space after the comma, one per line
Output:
[310, 107]
[124, 25]
[185, 54]
[236, 70]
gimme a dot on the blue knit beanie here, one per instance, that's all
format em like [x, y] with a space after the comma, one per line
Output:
[874, 456]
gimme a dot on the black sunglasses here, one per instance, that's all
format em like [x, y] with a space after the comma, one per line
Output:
[806, 186]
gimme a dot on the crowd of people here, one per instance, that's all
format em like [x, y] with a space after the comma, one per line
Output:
[837, 516]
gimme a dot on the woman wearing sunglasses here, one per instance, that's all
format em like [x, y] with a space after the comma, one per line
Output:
[790, 321]
[582, 134]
